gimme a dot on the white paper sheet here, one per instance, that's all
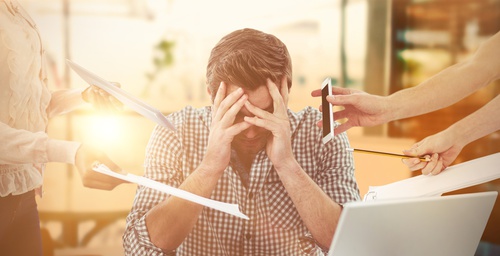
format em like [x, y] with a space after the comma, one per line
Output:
[232, 209]
[121, 95]
[455, 177]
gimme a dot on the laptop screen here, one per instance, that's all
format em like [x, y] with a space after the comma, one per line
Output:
[448, 225]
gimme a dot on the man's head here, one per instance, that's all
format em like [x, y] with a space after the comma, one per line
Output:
[247, 58]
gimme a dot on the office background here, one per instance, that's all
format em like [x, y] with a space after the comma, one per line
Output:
[157, 50]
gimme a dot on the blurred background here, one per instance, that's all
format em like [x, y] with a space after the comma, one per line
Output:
[158, 49]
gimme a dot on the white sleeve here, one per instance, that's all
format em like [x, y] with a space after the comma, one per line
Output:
[65, 101]
[21, 146]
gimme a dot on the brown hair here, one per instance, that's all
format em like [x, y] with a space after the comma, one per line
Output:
[246, 58]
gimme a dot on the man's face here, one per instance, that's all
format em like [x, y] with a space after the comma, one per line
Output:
[253, 139]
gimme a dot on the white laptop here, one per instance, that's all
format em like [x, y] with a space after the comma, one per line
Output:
[441, 226]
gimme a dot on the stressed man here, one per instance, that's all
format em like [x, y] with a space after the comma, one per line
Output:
[248, 149]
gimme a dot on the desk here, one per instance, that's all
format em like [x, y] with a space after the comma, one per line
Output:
[70, 222]
[375, 170]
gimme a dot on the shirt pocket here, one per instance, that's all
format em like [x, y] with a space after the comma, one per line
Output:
[281, 211]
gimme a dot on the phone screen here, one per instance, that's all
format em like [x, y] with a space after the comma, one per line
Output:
[327, 111]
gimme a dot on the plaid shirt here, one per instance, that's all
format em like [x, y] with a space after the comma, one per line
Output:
[275, 227]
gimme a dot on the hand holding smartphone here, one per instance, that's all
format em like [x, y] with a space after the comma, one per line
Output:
[327, 109]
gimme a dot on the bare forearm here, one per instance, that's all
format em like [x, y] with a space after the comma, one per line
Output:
[484, 121]
[170, 222]
[450, 85]
[439, 91]
[319, 212]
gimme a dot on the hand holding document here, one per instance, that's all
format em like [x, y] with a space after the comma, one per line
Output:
[455, 177]
[232, 209]
[121, 95]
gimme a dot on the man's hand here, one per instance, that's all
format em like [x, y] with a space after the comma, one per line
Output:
[278, 147]
[86, 156]
[360, 108]
[223, 129]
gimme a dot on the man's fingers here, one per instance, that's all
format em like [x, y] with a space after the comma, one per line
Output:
[231, 113]
[257, 111]
[238, 128]
[219, 96]
[278, 100]
[284, 89]
[227, 102]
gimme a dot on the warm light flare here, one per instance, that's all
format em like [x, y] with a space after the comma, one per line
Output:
[104, 130]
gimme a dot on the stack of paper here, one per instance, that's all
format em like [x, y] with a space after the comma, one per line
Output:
[455, 177]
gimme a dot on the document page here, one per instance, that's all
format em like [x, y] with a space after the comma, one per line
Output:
[232, 209]
[455, 177]
[128, 100]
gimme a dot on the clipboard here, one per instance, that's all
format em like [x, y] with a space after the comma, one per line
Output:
[134, 103]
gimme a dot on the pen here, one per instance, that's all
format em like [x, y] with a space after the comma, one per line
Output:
[422, 159]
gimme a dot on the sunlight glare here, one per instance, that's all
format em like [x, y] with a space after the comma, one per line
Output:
[104, 130]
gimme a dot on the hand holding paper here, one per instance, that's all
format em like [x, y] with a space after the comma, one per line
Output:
[232, 209]
[127, 99]
[102, 100]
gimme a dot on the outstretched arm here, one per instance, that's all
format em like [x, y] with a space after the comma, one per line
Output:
[65, 101]
[450, 85]
[441, 90]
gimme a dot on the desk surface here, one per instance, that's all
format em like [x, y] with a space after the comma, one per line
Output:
[71, 222]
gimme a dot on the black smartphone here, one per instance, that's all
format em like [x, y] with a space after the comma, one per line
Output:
[327, 109]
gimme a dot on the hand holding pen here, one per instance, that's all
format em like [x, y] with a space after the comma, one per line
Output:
[419, 159]
[443, 149]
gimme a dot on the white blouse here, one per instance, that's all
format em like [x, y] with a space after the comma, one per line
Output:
[26, 105]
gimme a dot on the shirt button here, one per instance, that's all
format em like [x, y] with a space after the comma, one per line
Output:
[248, 236]
[250, 195]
